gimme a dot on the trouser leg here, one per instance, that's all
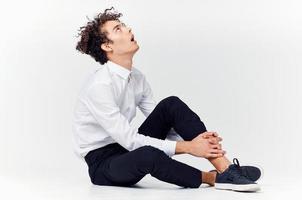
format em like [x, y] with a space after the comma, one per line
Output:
[172, 112]
[129, 168]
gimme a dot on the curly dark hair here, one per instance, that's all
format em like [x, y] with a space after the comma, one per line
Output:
[92, 37]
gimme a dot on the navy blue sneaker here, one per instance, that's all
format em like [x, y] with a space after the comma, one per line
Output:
[251, 172]
[233, 179]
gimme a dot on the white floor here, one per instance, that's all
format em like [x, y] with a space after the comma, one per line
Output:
[55, 186]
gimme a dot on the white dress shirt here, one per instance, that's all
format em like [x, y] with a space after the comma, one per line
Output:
[107, 104]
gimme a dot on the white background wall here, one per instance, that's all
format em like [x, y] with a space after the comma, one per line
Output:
[236, 63]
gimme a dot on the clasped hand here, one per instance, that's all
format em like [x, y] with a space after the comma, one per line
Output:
[207, 145]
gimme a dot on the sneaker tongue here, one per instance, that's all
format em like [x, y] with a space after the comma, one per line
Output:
[233, 166]
[235, 169]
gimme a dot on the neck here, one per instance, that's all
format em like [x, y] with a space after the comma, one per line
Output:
[124, 61]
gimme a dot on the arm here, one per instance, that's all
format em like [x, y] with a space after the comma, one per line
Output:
[102, 104]
[147, 102]
[183, 147]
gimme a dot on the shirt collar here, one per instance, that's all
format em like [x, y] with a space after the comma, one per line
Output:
[118, 69]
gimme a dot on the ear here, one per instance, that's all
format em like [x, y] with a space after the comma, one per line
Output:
[106, 47]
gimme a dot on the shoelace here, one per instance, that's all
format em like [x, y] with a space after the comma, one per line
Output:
[236, 162]
[238, 173]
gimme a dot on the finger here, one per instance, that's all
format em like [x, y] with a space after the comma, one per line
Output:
[220, 155]
[215, 134]
[216, 146]
[205, 134]
[212, 155]
[210, 134]
[217, 151]
[213, 141]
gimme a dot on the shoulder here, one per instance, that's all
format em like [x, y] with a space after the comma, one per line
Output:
[102, 75]
[99, 79]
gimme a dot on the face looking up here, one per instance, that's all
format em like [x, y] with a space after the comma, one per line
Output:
[123, 41]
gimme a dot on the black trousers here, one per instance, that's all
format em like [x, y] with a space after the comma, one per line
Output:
[116, 166]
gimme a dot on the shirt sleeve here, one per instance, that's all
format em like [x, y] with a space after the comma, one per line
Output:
[147, 102]
[101, 102]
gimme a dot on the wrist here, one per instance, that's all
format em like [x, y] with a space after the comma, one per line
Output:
[183, 147]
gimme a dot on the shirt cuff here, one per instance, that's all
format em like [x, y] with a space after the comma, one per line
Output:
[169, 147]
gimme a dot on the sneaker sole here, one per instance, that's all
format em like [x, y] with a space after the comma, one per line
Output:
[239, 188]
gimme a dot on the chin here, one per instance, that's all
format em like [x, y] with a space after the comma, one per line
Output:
[136, 49]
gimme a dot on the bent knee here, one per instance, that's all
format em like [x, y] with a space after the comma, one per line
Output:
[170, 99]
